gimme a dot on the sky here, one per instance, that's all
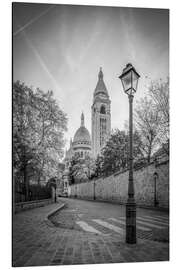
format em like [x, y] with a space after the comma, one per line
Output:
[62, 47]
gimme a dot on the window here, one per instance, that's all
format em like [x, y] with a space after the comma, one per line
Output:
[103, 110]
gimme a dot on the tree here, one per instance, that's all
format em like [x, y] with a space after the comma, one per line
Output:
[51, 124]
[77, 171]
[90, 166]
[38, 130]
[159, 93]
[72, 169]
[23, 146]
[81, 170]
[98, 166]
[147, 123]
[114, 155]
[152, 118]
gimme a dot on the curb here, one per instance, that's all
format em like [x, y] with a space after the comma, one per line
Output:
[52, 213]
[154, 208]
[121, 203]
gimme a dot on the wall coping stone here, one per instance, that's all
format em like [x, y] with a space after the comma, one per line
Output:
[22, 206]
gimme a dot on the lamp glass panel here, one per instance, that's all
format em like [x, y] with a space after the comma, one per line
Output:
[135, 78]
[129, 92]
[126, 81]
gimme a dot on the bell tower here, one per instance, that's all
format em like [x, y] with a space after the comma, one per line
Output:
[100, 116]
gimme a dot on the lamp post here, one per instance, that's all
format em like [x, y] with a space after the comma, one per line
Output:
[155, 189]
[129, 79]
[55, 199]
[155, 182]
[94, 190]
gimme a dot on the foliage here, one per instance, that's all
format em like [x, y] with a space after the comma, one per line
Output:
[81, 170]
[98, 166]
[38, 130]
[90, 166]
[147, 123]
[159, 93]
[114, 155]
[152, 118]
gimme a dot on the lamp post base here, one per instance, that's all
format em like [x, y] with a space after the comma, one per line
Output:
[131, 221]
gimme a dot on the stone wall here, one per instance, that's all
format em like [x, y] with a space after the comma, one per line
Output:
[115, 187]
[18, 207]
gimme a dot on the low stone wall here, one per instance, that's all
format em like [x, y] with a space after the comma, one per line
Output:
[18, 207]
[115, 187]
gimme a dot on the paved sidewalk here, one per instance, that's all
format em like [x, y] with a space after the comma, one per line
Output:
[35, 243]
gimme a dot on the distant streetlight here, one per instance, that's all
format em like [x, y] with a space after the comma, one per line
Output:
[155, 189]
[129, 79]
[94, 190]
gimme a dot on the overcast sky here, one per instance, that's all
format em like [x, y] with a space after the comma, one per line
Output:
[61, 48]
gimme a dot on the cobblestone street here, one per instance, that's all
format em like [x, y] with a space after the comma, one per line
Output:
[75, 239]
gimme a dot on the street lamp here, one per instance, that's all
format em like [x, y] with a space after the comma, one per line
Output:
[129, 79]
[155, 187]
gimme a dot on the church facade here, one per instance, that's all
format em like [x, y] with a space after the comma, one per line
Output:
[83, 144]
[100, 116]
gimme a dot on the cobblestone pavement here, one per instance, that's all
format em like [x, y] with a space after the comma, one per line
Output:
[37, 243]
[105, 217]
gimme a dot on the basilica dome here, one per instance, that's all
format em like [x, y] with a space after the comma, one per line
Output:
[82, 139]
[82, 136]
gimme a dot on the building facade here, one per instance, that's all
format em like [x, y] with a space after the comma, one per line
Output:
[100, 116]
[80, 145]
[82, 141]
[83, 144]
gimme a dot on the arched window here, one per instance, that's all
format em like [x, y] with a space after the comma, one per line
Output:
[103, 110]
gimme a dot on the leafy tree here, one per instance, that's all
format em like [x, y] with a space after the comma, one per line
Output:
[51, 125]
[76, 170]
[81, 170]
[38, 130]
[23, 120]
[90, 166]
[116, 152]
[98, 166]
[152, 118]
[147, 123]
[72, 172]
[159, 93]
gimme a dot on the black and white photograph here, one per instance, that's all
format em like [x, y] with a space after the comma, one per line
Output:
[90, 134]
